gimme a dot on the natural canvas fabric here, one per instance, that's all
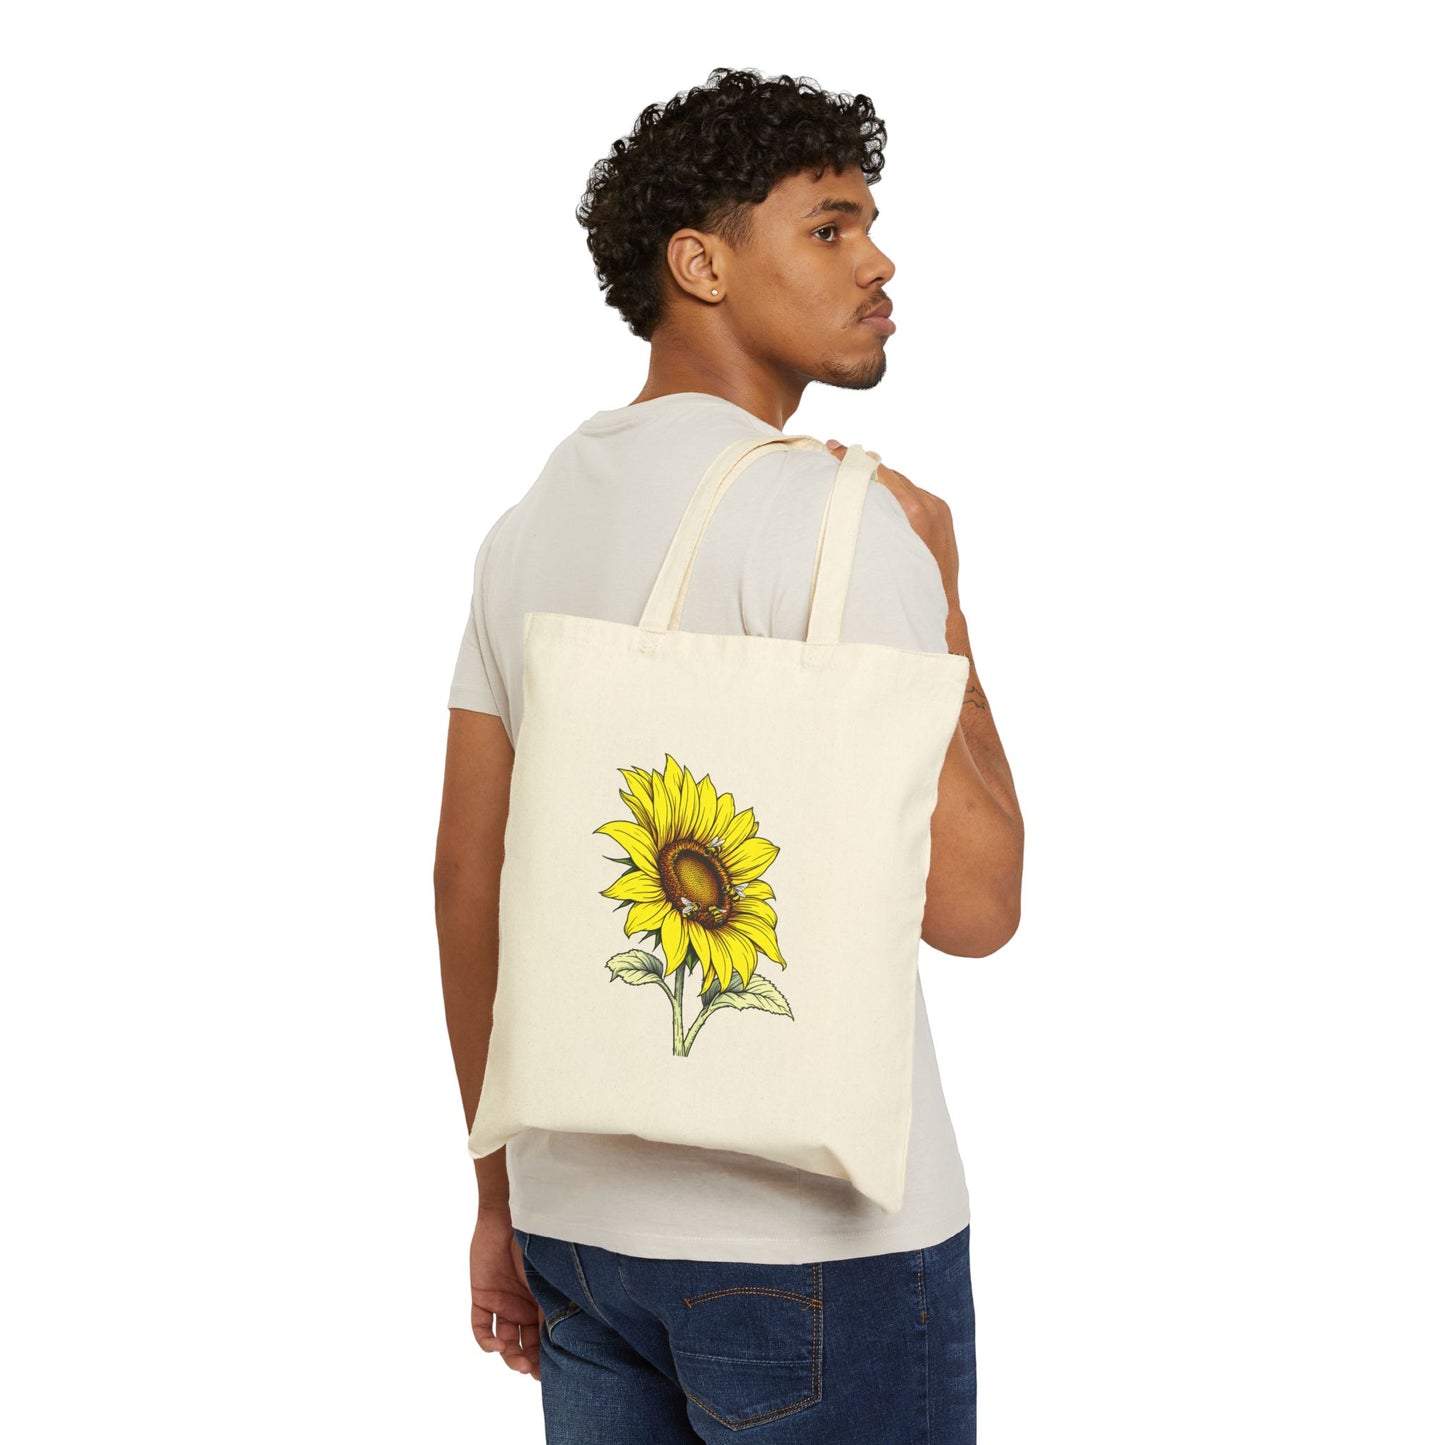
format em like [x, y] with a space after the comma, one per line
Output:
[714, 875]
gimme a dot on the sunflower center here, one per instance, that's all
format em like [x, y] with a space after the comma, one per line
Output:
[696, 883]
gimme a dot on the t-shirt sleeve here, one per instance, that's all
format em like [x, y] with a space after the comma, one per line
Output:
[895, 594]
[477, 679]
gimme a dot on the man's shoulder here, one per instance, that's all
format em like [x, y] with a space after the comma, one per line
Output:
[895, 593]
[796, 484]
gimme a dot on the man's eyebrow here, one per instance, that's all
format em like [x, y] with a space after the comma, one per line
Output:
[848, 208]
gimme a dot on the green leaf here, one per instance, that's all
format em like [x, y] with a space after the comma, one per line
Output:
[638, 966]
[758, 994]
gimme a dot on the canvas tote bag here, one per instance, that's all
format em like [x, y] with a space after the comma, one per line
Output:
[714, 874]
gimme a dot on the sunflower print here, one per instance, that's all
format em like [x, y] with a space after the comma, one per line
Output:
[695, 881]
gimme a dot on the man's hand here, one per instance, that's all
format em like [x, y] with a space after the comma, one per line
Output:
[506, 1318]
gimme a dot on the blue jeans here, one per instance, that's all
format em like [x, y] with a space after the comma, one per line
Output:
[876, 1350]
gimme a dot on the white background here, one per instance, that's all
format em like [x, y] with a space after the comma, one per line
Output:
[295, 303]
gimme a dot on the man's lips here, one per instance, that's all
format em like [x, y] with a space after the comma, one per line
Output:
[880, 318]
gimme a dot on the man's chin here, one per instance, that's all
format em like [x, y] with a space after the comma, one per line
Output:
[856, 377]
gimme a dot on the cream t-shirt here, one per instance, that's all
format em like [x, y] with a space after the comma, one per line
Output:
[588, 538]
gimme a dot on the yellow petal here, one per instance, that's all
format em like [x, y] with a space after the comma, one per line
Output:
[674, 940]
[759, 933]
[640, 810]
[713, 954]
[689, 808]
[724, 818]
[664, 811]
[742, 954]
[645, 917]
[707, 809]
[639, 782]
[750, 859]
[740, 830]
[759, 908]
[672, 781]
[635, 887]
[637, 841]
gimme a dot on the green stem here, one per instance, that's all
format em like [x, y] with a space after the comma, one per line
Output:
[697, 1023]
[676, 995]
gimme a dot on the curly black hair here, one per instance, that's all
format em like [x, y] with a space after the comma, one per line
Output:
[703, 160]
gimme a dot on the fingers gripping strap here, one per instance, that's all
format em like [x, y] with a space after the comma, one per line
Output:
[664, 604]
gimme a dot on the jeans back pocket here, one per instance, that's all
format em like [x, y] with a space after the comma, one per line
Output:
[750, 1349]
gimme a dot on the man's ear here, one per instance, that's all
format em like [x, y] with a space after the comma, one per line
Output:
[695, 260]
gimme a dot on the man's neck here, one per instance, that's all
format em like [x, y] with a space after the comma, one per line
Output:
[740, 380]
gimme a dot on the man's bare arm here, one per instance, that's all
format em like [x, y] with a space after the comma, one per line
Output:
[975, 875]
[466, 881]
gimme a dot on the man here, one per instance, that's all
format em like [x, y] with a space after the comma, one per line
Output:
[662, 1284]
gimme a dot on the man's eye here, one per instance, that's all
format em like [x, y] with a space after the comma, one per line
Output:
[831, 227]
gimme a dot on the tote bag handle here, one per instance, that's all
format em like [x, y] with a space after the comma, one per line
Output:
[837, 541]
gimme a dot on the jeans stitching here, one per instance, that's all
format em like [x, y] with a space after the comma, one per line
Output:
[790, 1294]
[815, 1304]
[564, 1312]
[582, 1280]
